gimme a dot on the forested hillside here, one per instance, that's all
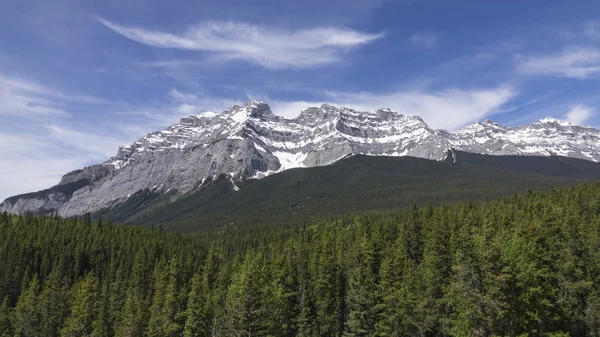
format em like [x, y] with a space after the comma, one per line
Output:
[524, 265]
[350, 186]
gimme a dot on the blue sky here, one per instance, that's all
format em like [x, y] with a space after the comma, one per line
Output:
[78, 78]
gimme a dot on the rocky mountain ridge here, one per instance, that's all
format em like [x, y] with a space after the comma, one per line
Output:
[249, 141]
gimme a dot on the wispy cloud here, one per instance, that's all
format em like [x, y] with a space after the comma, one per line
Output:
[578, 114]
[447, 109]
[169, 63]
[186, 104]
[572, 62]
[40, 139]
[266, 47]
[29, 164]
[45, 151]
[424, 39]
[99, 146]
[25, 98]
[183, 97]
[38, 158]
[521, 105]
[153, 116]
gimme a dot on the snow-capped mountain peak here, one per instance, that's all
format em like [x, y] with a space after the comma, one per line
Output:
[250, 141]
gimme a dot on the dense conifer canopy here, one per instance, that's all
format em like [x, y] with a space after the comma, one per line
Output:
[527, 264]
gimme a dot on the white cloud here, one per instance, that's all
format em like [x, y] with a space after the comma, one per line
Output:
[37, 147]
[579, 114]
[24, 98]
[39, 158]
[78, 142]
[183, 97]
[170, 64]
[291, 109]
[573, 62]
[158, 115]
[266, 47]
[448, 109]
[27, 167]
[424, 39]
[43, 149]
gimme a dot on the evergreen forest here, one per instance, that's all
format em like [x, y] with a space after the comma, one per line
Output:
[524, 265]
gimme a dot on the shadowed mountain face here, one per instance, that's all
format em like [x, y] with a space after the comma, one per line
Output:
[355, 184]
[249, 141]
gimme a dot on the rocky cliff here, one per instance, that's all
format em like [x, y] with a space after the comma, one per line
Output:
[249, 141]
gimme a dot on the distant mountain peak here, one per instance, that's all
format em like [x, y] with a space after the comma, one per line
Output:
[249, 140]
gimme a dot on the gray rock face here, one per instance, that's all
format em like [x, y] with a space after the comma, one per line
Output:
[43, 204]
[91, 173]
[249, 141]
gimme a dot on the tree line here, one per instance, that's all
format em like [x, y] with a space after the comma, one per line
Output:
[527, 265]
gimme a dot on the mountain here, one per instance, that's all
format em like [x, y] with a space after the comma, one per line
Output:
[249, 141]
[355, 184]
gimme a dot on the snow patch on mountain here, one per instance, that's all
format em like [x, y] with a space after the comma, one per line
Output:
[249, 141]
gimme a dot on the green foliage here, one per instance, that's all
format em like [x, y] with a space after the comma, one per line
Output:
[166, 310]
[5, 316]
[84, 307]
[361, 294]
[53, 302]
[526, 265]
[348, 187]
[27, 317]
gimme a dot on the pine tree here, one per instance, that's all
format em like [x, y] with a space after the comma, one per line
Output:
[361, 297]
[5, 319]
[132, 323]
[53, 302]
[328, 288]
[165, 310]
[464, 293]
[197, 322]
[436, 268]
[103, 324]
[307, 320]
[400, 293]
[246, 311]
[200, 315]
[135, 313]
[27, 319]
[84, 308]
[114, 301]
[286, 280]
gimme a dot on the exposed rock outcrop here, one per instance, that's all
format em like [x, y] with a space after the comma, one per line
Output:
[249, 141]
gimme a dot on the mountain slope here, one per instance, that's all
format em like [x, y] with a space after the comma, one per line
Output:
[249, 141]
[358, 183]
